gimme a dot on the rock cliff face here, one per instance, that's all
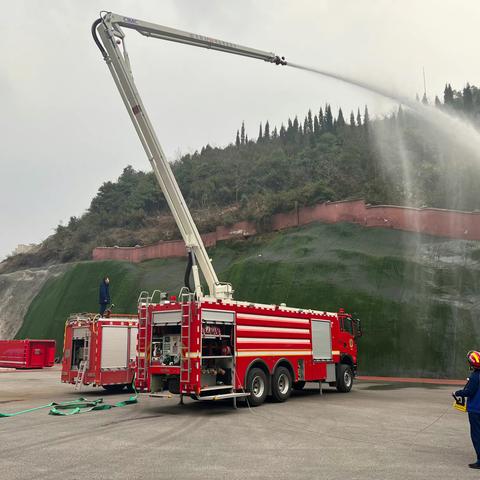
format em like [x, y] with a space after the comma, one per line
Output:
[17, 290]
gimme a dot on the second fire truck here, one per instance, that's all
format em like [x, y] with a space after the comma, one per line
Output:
[208, 345]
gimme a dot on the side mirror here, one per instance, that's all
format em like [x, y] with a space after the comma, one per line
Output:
[358, 328]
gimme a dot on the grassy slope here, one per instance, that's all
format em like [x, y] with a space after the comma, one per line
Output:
[415, 294]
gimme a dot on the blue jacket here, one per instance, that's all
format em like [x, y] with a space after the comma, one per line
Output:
[472, 392]
[104, 293]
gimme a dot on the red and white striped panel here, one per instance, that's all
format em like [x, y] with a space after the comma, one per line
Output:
[271, 332]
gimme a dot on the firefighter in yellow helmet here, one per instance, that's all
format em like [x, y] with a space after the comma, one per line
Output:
[471, 392]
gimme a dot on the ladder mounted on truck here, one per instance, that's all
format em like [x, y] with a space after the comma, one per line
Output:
[110, 39]
[84, 363]
[187, 300]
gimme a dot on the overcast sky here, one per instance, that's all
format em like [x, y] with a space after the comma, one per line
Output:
[64, 130]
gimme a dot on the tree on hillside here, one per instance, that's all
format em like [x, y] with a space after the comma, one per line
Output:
[321, 120]
[352, 119]
[359, 118]
[237, 140]
[467, 100]
[266, 133]
[242, 134]
[316, 125]
[340, 119]
[366, 118]
[448, 95]
[438, 103]
[260, 134]
[328, 119]
[309, 122]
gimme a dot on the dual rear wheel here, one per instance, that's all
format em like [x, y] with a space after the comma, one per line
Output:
[282, 384]
[257, 385]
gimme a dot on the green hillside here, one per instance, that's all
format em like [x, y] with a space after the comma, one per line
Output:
[416, 295]
[397, 160]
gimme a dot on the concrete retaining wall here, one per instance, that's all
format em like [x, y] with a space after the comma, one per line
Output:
[432, 221]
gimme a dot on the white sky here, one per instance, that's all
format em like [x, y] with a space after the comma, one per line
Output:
[64, 130]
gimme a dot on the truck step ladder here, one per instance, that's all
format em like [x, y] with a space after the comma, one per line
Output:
[83, 367]
[187, 300]
[142, 340]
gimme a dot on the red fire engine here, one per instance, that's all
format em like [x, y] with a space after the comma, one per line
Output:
[99, 351]
[209, 346]
[213, 349]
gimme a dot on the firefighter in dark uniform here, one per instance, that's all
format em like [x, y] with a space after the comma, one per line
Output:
[472, 393]
[104, 295]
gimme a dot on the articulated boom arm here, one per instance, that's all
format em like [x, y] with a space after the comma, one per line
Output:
[112, 45]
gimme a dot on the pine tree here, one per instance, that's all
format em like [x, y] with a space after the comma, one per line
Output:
[316, 125]
[283, 131]
[242, 134]
[260, 134]
[366, 117]
[237, 140]
[275, 133]
[310, 122]
[321, 120]
[328, 118]
[468, 99]
[438, 103]
[305, 126]
[266, 133]
[359, 118]
[352, 119]
[246, 139]
[448, 95]
[340, 119]
[425, 99]
[295, 124]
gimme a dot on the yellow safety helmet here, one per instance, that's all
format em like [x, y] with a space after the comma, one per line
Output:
[473, 358]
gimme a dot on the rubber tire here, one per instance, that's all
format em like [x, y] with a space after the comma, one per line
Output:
[253, 374]
[277, 395]
[299, 385]
[114, 388]
[174, 385]
[343, 385]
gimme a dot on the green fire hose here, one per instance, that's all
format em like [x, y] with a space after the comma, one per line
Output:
[73, 407]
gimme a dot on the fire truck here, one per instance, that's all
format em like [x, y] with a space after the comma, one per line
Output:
[207, 345]
[99, 351]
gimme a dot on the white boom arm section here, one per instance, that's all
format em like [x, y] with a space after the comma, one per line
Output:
[112, 45]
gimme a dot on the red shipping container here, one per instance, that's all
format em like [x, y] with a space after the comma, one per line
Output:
[27, 353]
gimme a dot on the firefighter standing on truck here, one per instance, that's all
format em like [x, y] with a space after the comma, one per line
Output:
[472, 393]
[104, 295]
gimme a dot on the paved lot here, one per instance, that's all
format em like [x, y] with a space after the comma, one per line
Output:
[378, 431]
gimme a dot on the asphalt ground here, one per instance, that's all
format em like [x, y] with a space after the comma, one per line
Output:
[380, 430]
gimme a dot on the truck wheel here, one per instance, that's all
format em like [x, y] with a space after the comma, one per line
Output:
[257, 386]
[114, 388]
[174, 385]
[299, 385]
[345, 378]
[282, 384]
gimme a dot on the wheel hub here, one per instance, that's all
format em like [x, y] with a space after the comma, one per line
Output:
[283, 384]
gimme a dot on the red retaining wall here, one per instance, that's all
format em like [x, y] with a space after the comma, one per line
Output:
[432, 221]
